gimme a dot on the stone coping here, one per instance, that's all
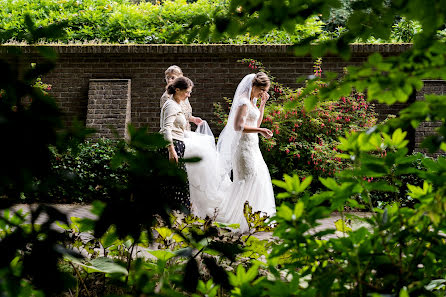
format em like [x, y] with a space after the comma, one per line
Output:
[198, 48]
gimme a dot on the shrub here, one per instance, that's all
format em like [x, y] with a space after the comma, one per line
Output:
[143, 23]
[305, 142]
[381, 199]
[399, 250]
[405, 30]
[177, 21]
[83, 174]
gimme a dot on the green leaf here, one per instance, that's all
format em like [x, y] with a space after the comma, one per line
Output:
[98, 207]
[164, 232]
[106, 265]
[101, 264]
[436, 284]
[251, 273]
[285, 212]
[418, 192]
[162, 254]
[305, 183]
[283, 195]
[404, 293]
[280, 184]
[375, 59]
[109, 238]
[329, 182]
[86, 224]
[298, 210]
[342, 226]
[310, 102]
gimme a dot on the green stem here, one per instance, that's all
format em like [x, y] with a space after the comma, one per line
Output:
[129, 261]
[80, 279]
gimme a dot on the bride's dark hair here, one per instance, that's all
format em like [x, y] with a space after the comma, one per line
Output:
[181, 83]
[261, 80]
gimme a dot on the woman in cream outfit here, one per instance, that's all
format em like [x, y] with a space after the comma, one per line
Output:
[172, 126]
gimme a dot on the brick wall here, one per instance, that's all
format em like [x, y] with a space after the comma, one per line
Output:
[213, 68]
[109, 107]
[427, 128]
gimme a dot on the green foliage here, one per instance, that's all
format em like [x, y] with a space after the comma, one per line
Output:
[84, 174]
[147, 23]
[256, 221]
[405, 30]
[186, 244]
[179, 21]
[362, 21]
[395, 253]
[338, 16]
[401, 250]
[30, 123]
[401, 196]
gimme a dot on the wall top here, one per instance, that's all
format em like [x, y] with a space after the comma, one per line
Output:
[198, 48]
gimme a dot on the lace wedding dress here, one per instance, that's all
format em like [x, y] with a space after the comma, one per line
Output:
[211, 190]
[251, 178]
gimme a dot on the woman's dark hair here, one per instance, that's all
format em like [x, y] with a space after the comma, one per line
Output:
[182, 83]
[261, 80]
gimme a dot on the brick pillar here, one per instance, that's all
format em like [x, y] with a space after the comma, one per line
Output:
[425, 129]
[109, 107]
[411, 132]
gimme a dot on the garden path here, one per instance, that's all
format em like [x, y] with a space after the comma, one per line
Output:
[83, 211]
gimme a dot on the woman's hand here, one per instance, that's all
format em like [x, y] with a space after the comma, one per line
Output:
[264, 97]
[196, 120]
[173, 157]
[267, 133]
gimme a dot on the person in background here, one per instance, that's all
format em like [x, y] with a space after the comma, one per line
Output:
[171, 74]
[172, 126]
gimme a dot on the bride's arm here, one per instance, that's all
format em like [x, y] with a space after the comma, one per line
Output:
[240, 115]
[249, 129]
[264, 98]
[262, 110]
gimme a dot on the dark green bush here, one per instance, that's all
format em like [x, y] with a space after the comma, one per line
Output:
[401, 196]
[84, 174]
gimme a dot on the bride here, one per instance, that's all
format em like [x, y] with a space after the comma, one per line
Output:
[211, 190]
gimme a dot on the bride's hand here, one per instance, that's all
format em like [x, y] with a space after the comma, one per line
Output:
[265, 97]
[267, 133]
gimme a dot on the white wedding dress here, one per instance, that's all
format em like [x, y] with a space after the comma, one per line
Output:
[212, 193]
[252, 181]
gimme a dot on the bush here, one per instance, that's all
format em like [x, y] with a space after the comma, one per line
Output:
[305, 142]
[398, 252]
[402, 197]
[405, 30]
[176, 21]
[83, 174]
[125, 22]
